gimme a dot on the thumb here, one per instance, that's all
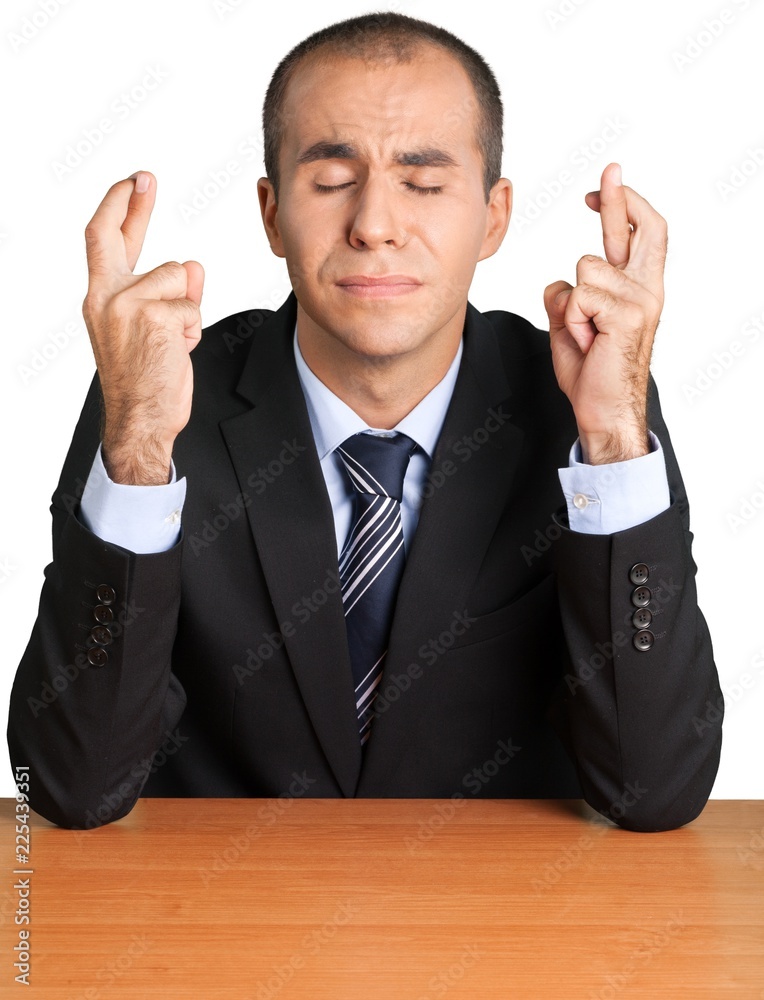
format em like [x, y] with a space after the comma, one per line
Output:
[195, 273]
[556, 298]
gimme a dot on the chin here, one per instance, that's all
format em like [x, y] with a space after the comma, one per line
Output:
[379, 346]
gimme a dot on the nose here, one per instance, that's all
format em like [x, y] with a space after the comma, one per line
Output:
[377, 221]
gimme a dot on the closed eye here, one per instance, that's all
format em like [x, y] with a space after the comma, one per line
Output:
[329, 188]
[423, 190]
[332, 188]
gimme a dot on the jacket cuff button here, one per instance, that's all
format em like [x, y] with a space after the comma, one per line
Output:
[105, 594]
[98, 657]
[643, 640]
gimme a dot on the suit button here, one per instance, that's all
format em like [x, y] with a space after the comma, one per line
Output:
[101, 635]
[640, 597]
[639, 573]
[641, 618]
[643, 639]
[105, 594]
[98, 657]
[102, 614]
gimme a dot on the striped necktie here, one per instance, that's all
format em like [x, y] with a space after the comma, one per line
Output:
[372, 558]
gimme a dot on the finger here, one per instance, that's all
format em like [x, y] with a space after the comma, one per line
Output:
[195, 285]
[594, 270]
[648, 241]
[168, 281]
[556, 309]
[578, 320]
[616, 230]
[566, 319]
[598, 278]
[187, 312]
[592, 199]
[139, 211]
[110, 250]
[179, 288]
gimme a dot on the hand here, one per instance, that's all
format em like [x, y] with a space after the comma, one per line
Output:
[142, 328]
[602, 331]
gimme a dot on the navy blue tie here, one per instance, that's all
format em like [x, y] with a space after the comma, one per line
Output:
[372, 558]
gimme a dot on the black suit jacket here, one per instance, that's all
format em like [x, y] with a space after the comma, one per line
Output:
[511, 670]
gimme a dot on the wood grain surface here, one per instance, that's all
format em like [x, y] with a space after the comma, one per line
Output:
[328, 899]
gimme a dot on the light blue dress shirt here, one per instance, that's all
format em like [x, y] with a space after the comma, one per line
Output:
[601, 499]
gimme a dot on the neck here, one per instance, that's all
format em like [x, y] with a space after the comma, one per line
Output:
[381, 388]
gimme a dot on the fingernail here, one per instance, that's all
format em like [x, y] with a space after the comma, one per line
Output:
[559, 295]
[141, 182]
[617, 174]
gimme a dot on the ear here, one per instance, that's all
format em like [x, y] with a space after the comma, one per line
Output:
[498, 211]
[269, 211]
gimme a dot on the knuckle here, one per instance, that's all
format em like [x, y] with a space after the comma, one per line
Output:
[172, 269]
[93, 306]
[598, 296]
[149, 314]
[117, 185]
[151, 329]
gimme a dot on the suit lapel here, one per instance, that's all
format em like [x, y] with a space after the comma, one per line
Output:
[456, 523]
[292, 523]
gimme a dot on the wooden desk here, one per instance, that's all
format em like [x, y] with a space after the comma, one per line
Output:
[397, 899]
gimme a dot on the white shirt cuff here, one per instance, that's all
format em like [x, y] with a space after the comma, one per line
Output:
[603, 499]
[141, 519]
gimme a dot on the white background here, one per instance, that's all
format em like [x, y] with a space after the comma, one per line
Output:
[686, 123]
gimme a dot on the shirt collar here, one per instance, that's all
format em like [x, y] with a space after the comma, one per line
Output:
[333, 421]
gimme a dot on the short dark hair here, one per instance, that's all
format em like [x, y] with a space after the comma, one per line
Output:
[397, 38]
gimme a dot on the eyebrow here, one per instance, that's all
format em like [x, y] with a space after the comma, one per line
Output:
[429, 157]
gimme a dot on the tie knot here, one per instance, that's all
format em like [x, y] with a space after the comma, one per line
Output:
[376, 465]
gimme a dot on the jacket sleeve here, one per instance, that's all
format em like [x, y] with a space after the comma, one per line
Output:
[93, 693]
[641, 708]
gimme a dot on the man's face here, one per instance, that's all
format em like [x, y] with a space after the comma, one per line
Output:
[382, 214]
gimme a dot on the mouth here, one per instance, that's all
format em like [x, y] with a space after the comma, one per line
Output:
[367, 286]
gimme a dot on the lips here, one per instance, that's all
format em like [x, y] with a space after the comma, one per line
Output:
[383, 279]
[379, 286]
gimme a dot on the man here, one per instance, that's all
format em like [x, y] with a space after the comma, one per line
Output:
[370, 595]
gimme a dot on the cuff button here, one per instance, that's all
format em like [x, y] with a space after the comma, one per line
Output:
[643, 639]
[641, 618]
[639, 573]
[98, 657]
[640, 597]
[105, 594]
[101, 635]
